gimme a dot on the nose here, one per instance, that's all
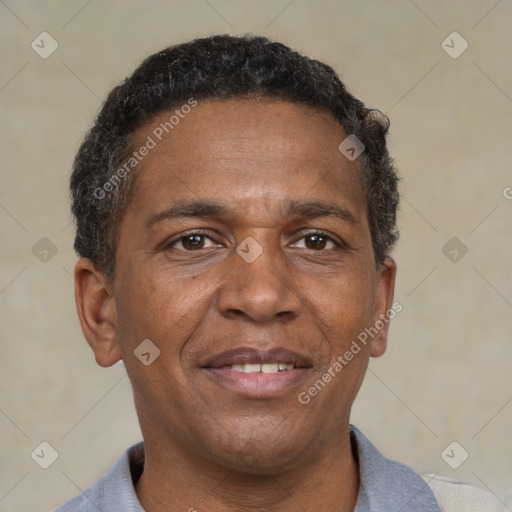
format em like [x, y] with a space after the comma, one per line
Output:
[260, 291]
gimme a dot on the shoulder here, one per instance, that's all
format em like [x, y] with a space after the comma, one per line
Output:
[115, 491]
[77, 504]
[455, 496]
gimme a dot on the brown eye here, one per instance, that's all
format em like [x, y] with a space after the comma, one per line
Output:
[316, 242]
[192, 242]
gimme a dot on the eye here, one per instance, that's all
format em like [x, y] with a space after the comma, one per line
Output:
[316, 242]
[191, 242]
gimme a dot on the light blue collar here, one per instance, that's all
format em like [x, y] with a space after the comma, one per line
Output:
[386, 486]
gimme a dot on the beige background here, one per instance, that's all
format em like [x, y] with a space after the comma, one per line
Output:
[447, 375]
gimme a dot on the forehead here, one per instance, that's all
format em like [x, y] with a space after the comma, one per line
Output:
[244, 150]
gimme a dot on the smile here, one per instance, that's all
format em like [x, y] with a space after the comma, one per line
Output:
[263, 368]
[254, 373]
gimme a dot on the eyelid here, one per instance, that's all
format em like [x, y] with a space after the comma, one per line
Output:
[171, 242]
[338, 242]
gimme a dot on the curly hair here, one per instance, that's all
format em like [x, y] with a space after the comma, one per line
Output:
[216, 68]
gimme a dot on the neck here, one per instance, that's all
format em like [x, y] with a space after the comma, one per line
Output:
[329, 480]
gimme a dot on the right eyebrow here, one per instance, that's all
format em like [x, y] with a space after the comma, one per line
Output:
[188, 209]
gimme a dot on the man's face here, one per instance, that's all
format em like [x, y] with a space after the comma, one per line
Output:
[246, 243]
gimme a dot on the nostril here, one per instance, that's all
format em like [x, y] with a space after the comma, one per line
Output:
[237, 312]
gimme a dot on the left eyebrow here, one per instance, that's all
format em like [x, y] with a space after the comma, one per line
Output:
[315, 209]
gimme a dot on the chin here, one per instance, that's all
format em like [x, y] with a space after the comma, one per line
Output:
[265, 453]
[263, 461]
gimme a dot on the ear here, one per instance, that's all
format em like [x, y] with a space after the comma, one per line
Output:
[95, 305]
[384, 310]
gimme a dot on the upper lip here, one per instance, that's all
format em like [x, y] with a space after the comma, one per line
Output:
[256, 356]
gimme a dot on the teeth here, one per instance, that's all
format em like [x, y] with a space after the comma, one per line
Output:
[263, 368]
[252, 368]
[269, 368]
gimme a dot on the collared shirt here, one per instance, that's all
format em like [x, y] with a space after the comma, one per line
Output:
[385, 486]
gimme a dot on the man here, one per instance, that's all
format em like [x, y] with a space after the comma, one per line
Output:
[235, 212]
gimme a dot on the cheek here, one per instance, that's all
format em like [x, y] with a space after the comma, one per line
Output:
[158, 306]
[165, 313]
[344, 304]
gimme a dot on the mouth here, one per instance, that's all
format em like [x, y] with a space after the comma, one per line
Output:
[263, 367]
[256, 373]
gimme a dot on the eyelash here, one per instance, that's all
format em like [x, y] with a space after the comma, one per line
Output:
[200, 232]
[173, 242]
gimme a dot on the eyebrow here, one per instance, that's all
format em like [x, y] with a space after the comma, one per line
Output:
[201, 208]
[189, 209]
[315, 209]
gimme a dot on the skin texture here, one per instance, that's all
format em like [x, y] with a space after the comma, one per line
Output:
[209, 445]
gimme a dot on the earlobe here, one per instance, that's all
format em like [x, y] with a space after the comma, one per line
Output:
[385, 291]
[96, 311]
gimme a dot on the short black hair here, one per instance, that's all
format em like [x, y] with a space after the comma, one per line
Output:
[216, 68]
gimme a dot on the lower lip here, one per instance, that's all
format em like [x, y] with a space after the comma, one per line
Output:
[258, 385]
